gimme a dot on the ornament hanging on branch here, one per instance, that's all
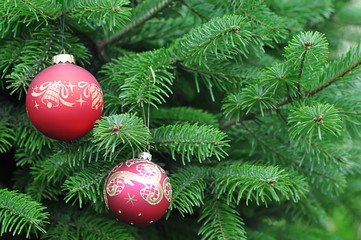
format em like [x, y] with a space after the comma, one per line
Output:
[64, 100]
[137, 191]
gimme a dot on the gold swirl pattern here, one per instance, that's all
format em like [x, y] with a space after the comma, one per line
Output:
[134, 161]
[167, 189]
[148, 174]
[55, 92]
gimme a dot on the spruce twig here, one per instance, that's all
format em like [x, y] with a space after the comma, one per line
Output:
[194, 10]
[257, 21]
[282, 155]
[303, 58]
[116, 38]
[208, 72]
[332, 80]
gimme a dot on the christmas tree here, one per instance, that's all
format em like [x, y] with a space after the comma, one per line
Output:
[249, 106]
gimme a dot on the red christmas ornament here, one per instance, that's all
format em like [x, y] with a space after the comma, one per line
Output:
[137, 191]
[64, 100]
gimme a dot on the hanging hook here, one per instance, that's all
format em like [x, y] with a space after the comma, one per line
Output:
[62, 27]
[147, 118]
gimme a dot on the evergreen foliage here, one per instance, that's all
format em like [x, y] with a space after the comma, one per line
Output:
[221, 221]
[251, 107]
[188, 140]
[188, 187]
[257, 183]
[20, 213]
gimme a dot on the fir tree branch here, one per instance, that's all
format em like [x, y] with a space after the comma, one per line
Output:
[188, 186]
[193, 10]
[279, 112]
[102, 228]
[185, 141]
[220, 221]
[92, 15]
[288, 100]
[261, 184]
[263, 143]
[218, 216]
[349, 112]
[88, 183]
[257, 21]
[19, 211]
[179, 64]
[303, 58]
[52, 169]
[116, 132]
[190, 140]
[341, 159]
[89, 8]
[7, 136]
[282, 155]
[133, 25]
[87, 224]
[232, 122]
[41, 60]
[171, 115]
[332, 80]
[38, 9]
[321, 87]
[221, 37]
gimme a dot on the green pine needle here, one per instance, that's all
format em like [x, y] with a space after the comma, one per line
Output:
[309, 122]
[257, 183]
[18, 212]
[114, 133]
[188, 186]
[188, 141]
[220, 220]
[88, 184]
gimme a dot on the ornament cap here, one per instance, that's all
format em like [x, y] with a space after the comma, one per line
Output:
[145, 156]
[63, 58]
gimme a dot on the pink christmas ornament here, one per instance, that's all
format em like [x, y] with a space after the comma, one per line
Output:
[64, 100]
[137, 191]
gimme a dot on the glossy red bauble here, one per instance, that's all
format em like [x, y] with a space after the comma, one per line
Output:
[137, 192]
[64, 101]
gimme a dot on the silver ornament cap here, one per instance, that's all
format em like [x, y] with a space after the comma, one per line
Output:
[145, 156]
[63, 58]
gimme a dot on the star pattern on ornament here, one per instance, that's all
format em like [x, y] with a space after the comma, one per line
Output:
[130, 199]
[71, 86]
[35, 88]
[81, 101]
[36, 105]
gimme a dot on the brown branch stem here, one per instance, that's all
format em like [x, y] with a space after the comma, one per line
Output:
[208, 72]
[133, 25]
[322, 86]
[41, 59]
[185, 141]
[219, 217]
[332, 80]
[40, 10]
[193, 10]
[350, 112]
[259, 22]
[301, 69]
